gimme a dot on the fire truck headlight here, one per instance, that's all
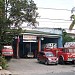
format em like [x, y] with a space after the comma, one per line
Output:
[69, 59]
[49, 58]
[11, 52]
[68, 55]
[57, 59]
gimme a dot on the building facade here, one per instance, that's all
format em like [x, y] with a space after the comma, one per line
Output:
[35, 39]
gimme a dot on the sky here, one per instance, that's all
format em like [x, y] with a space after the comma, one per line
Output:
[55, 13]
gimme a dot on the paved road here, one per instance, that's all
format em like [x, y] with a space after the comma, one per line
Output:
[63, 73]
[32, 67]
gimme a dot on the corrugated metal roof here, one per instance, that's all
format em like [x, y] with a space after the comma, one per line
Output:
[40, 34]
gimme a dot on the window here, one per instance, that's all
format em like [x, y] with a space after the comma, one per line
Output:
[49, 54]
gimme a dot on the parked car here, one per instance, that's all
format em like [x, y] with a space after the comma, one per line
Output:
[47, 58]
[7, 51]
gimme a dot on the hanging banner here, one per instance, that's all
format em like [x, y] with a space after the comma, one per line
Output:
[29, 38]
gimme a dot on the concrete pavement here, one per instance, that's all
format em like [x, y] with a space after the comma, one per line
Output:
[32, 67]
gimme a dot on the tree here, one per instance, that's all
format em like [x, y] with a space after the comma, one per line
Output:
[72, 18]
[12, 14]
[21, 11]
[73, 22]
[66, 37]
[4, 22]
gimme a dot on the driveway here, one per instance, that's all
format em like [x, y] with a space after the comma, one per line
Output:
[32, 67]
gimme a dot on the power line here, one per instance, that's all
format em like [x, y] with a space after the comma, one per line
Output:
[54, 8]
[48, 27]
[54, 22]
[54, 19]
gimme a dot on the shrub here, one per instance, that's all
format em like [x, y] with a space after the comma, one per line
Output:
[3, 62]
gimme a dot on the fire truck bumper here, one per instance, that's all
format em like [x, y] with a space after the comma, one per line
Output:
[71, 59]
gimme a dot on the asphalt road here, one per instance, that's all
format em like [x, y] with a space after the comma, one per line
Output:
[32, 67]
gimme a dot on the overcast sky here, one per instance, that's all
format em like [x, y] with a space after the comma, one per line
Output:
[48, 17]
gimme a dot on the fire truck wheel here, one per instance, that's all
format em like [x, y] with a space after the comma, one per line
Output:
[61, 61]
[8, 58]
[74, 62]
[46, 62]
[38, 60]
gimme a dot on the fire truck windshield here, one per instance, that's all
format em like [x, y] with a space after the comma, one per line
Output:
[72, 50]
[69, 50]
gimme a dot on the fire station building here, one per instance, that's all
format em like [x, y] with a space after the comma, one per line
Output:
[35, 39]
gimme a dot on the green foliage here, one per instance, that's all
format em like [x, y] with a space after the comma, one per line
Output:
[3, 62]
[67, 38]
[21, 11]
[73, 22]
[72, 25]
[14, 13]
[4, 24]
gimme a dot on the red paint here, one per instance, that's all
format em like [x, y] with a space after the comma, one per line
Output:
[7, 51]
[68, 54]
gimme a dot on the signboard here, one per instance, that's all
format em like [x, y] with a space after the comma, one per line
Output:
[51, 45]
[29, 38]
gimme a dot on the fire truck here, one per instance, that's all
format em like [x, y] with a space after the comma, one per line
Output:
[65, 54]
[7, 52]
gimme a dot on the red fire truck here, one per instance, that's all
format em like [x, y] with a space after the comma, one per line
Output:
[66, 54]
[7, 51]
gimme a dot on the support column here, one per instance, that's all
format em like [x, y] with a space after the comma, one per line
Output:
[39, 44]
[18, 40]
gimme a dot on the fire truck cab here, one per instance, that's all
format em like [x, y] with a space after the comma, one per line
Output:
[66, 55]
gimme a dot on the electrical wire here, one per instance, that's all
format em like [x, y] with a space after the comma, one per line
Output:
[54, 8]
[54, 19]
[46, 27]
[54, 22]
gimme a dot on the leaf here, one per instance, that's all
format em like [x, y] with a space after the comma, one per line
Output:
[72, 25]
